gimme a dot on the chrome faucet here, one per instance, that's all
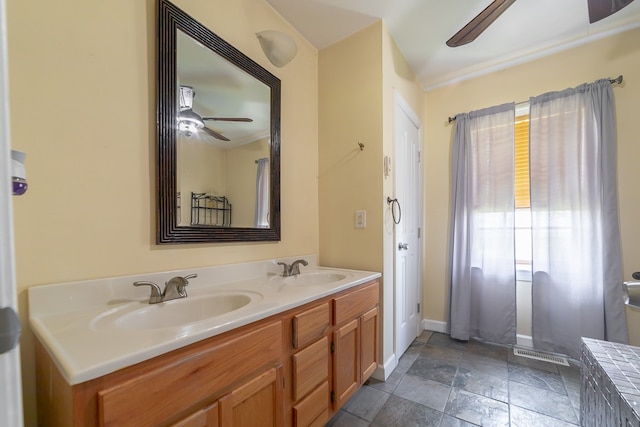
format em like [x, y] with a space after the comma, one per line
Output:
[293, 269]
[174, 288]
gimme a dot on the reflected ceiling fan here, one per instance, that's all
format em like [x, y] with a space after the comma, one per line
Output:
[190, 122]
[598, 9]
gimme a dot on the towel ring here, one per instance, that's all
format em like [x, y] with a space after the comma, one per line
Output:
[394, 203]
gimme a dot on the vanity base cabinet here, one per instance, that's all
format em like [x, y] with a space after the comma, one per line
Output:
[355, 341]
[178, 388]
[282, 371]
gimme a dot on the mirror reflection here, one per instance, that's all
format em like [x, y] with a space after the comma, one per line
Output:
[218, 118]
[223, 141]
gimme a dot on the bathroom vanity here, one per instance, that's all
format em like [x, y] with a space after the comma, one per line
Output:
[291, 357]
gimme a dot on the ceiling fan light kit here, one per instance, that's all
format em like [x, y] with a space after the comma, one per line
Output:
[190, 122]
[598, 9]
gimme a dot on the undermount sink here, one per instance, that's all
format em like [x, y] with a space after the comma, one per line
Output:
[314, 278]
[175, 313]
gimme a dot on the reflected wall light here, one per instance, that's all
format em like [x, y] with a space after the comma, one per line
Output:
[278, 47]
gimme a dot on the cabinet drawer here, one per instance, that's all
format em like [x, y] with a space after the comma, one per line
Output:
[159, 394]
[350, 306]
[310, 325]
[313, 411]
[310, 368]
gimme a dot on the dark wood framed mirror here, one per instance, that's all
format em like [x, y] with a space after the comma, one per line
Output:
[218, 123]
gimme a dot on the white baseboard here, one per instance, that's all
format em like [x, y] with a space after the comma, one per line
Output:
[434, 325]
[524, 341]
[382, 372]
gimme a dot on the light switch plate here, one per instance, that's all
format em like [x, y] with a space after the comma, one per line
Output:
[361, 219]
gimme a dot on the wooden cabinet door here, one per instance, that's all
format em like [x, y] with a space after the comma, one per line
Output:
[206, 417]
[257, 403]
[346, 362]
[368, 343]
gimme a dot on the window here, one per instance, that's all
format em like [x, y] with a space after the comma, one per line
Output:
[522, 195]
[523, 199]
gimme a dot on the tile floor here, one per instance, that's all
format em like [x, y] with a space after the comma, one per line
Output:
[444, 382]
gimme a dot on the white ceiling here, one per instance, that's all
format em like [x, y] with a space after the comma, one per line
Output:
[527, 30]
[223, 90]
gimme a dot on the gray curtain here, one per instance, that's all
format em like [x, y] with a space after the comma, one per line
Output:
[261, 217]
[482, 277]
[577, 273]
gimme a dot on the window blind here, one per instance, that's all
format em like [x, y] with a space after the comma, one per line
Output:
[522, 162]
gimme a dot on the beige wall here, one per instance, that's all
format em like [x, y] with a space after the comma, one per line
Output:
[201, 169]
[357, 79]
[609, 57]
[82, 98]
[241, 180]
[350, 111]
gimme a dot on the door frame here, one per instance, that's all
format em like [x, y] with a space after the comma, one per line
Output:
[10, 372]
[400, 106]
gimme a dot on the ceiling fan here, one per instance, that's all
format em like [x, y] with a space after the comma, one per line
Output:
[598, 9]
[190, 122]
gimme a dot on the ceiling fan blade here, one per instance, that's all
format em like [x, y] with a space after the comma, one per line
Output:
[477, 25]
[215, 134]
[229, 119]
[600, 9]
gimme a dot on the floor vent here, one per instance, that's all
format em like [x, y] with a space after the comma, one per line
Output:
[538, 355]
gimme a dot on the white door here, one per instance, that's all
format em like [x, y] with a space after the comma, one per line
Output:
[408, 215]
[10, 380]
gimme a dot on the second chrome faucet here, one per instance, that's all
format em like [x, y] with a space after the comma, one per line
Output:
[293, 269]
[174, 288]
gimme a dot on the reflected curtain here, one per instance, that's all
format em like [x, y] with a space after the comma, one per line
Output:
[261, 217]
[577, 273]
[482, 272]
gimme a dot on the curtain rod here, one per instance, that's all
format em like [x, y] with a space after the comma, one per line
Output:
[617, 80]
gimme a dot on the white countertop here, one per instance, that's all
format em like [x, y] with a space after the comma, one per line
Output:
[71, 319]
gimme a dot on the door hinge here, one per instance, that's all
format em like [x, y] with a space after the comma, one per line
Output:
[419, 156]
[283, 383]
[418, 308]
[419, 232]
[333, 347]
[333, 396]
